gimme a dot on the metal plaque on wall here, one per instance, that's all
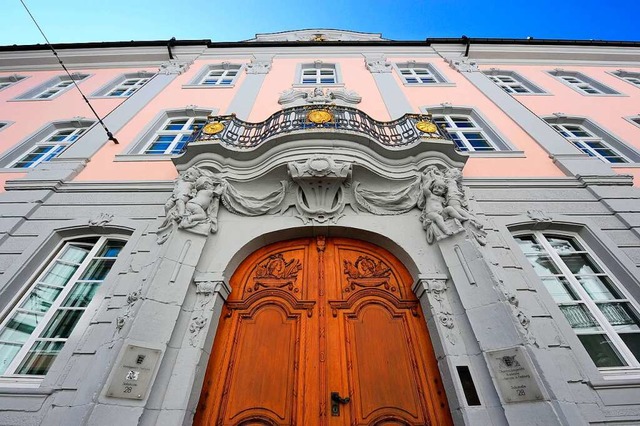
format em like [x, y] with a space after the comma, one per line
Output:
[133, 375]
[515, 376]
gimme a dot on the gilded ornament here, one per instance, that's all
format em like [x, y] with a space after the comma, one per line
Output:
[319, 116]
[213, 128]
[426, 126]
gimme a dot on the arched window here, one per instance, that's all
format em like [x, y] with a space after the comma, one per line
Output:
[597, 307]
[35, 328]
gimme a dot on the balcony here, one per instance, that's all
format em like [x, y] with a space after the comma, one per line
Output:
[235, 133]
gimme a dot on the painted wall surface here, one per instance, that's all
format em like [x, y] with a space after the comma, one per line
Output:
[355, 76]
[103, 166]
[606, 111]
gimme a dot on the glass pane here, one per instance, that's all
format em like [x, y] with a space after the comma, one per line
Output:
[559, 289]
[579, 317]
[580, 264]
[81, 295]
[39, 358]
[601, 350]
[598, 287]
[528, 244]
[563, 245]
[20, 327]
[97, 270]
[40, 298]
[111, 249]
[632, 340]
[7, 353]
[620, 316]
[62, 324]
[59, 274]
[74, 254]
[543, 265]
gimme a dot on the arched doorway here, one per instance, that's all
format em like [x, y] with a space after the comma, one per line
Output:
[311, 317]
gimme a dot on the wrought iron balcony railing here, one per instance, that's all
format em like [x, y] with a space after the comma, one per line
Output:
[231, 131]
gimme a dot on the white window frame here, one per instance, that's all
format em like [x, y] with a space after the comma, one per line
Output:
[10, 80]
[509, 81]
[55, 86]
[582, 83]
[418, 71]
[55, 147]
[230, 72]
[583, 142]
[128, 87]
[178, 135]
[633, 364]
[631, 77]
[122, 82]
[317, 67]
[634, 120]
[9, 375]
[458, 133]
[626, 152]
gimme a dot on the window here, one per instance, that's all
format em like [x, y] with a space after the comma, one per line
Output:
[602, 315]
[7, 81]
[52, 88]
[51, 145]
[582, 83]
[465, 132]
[593, 140]
[631, 77]
[3, 125]
[217, 75]
[317, 73]
[124, 85]
[512, 82]
[173, 135]
[413, 73]
[35, 330]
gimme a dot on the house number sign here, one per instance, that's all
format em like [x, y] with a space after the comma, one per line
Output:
[133, 375]
[514, 375]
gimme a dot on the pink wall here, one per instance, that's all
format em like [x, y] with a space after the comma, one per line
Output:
[537, 162]
[103, 166]
[607, 111]
[355, 77]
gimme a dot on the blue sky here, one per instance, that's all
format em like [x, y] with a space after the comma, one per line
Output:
[67, 21]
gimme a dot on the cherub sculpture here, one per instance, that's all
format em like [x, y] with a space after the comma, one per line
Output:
[204, 205]
[183, 190]
[440, 196]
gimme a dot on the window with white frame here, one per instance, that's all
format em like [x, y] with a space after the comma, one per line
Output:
[223, 75]
[173, 135]
[465, 132]
[128, 87]
[589, 143]
[602, 315]
[512, 82]
[34, 330]
[8, 80]
[51, 145]
[53, 87]
[318, 73]
[629, 76]
[3, 125]
[419, 73]
[582, 83]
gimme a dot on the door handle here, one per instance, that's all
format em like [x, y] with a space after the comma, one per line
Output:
[336, 400]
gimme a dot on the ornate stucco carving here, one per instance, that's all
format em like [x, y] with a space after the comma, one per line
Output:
[258, 66]
[319, 96]
[205, 291]
[437, 289]
[377, 64]
[463, 65]
[100, 220]
[195, 201]
[440, 196]
[318, 35]
[173, 67]
[320, 192]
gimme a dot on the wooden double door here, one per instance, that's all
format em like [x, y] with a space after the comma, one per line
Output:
[314, 317]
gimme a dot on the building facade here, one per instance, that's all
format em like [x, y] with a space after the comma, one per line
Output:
[320, 227]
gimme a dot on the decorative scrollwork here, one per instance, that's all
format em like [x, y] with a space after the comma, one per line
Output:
[366, 272]
[276, 272]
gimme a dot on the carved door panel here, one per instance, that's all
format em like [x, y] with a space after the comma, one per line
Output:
[310, 317]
